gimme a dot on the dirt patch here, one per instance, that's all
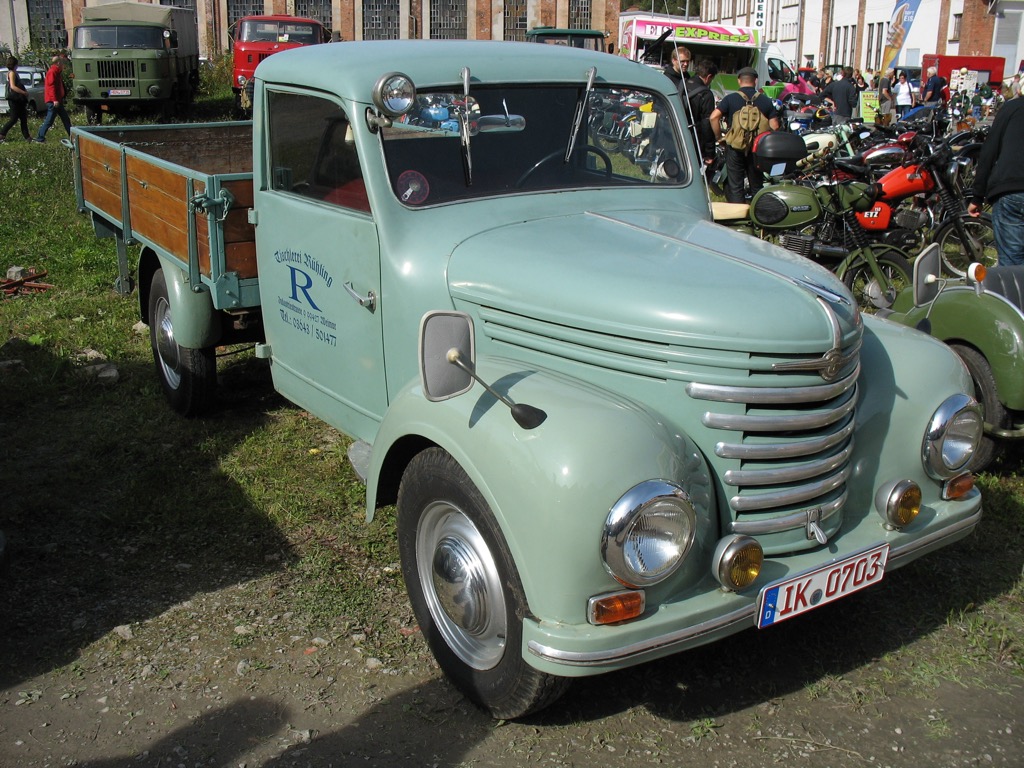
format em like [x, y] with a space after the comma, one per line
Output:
[232, 677]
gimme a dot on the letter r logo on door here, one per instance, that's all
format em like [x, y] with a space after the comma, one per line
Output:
[301, 281]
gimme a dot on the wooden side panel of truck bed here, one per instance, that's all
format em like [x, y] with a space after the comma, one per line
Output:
[158, 207]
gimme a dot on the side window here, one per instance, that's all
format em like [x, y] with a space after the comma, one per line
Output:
[312, 151]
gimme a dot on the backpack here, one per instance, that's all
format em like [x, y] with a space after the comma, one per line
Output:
[745, 126]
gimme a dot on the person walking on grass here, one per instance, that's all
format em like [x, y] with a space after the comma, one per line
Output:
[54, 94]
[17, 98]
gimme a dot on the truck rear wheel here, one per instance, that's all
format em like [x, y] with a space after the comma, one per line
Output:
[986, 393]
[465, 590]
[188, 376]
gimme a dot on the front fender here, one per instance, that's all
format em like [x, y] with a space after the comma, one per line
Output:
[989, 323]
[551, 488]
[197, 325]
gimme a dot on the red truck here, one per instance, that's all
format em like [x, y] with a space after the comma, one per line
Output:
[989, 68]
[256, 37]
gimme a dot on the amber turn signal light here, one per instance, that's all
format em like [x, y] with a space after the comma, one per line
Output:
[616, 607]
[958, 487]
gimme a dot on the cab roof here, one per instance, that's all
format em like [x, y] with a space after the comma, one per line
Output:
[351, 69]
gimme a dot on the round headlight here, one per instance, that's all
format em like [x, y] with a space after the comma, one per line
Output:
[394, 94]
[953, 435]
[241, 80]
[648, 533]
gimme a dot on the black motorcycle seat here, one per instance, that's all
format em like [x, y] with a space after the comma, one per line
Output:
[851, 164]
[1008, 282]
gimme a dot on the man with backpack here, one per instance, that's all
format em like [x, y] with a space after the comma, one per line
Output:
[748, 114]
[700, 103]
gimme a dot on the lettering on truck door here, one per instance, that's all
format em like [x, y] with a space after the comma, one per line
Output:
[320, 264]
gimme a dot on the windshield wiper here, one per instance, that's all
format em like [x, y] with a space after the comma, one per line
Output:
[577, 120]
[467, 158]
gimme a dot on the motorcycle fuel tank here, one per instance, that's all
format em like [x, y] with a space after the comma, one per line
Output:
[785, 206]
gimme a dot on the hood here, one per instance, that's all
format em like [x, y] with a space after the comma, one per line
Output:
[663, 277]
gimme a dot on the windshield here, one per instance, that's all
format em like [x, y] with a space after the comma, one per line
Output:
[261, 31]
[528, 138]
[119, 37]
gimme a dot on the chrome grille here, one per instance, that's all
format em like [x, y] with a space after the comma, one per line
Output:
[783, 452]
[790, 450]
[116, 74]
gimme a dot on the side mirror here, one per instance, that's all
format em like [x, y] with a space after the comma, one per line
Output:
[927, 276]
[441, 332]
[448, 364]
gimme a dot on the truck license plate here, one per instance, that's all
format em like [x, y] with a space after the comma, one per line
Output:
[120, 92]
[799, 594]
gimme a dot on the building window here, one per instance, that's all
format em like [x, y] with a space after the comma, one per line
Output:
[382, 19]
[315, 9]
[239, 9]
[954, 33]
[514, 27]
[448, 20]
[46, 24]
[579, 14]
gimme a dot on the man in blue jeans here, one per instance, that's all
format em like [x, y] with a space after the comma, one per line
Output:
[53, 92]
[1000, 178]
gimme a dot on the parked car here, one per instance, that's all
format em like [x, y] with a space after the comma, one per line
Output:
[32, 77]
[981, 317]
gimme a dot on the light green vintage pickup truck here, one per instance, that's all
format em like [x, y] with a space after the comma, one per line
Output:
[613, 429]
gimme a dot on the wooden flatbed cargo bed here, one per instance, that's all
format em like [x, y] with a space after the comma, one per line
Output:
[184, 191]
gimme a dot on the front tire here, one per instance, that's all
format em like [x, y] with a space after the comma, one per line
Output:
[869, 295]
[188, 376]
[465, 590]
[957, 255]
[986, 393]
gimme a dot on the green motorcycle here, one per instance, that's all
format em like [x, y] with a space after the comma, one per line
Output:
[803, 218]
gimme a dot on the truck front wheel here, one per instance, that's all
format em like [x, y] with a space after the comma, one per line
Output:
[188, 376]
[465, 590]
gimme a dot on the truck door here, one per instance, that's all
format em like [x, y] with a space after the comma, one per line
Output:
[319, 264]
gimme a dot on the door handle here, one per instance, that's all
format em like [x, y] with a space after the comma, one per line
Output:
[369, 300]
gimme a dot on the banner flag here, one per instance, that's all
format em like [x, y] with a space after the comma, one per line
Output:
[899, 27]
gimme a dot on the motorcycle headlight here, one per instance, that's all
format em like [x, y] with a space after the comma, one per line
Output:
[648, 533]
[952, 437]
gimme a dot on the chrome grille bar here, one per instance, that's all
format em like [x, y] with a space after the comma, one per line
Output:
[788, 496]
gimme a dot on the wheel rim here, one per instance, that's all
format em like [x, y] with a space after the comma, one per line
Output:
[954, 251]
[461, 585]
[166, 347]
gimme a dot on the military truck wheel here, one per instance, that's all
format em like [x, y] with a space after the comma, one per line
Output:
[986, 393]
[465, 590]
[187, 376]
[93, 116]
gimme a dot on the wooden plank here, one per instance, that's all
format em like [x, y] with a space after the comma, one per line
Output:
[241, 258]
[101, 176]
[158, 204]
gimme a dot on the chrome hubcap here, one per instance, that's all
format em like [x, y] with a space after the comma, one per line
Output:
[461, 585]
[166, 347]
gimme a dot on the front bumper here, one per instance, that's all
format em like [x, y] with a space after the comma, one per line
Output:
[712, 613]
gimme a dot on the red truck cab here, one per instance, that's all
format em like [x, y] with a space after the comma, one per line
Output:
[989, 68]
[256, 37]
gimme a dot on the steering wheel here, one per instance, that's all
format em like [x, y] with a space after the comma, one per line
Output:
[560, 153]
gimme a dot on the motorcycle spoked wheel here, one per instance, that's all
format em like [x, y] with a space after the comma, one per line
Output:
[867, 292]
[955, 256]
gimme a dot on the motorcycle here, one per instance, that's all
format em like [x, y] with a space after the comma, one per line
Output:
[981, 317]
[803, 218]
